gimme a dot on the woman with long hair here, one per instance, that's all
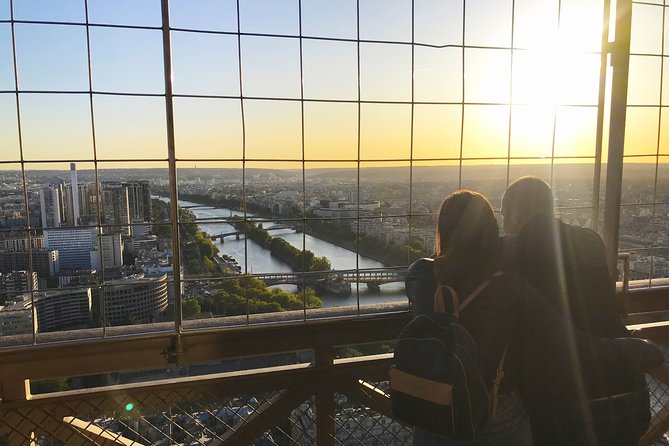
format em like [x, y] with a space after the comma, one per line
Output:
[510, 319]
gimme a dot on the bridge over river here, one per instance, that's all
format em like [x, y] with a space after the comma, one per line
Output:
[373, 277]
[238, 233]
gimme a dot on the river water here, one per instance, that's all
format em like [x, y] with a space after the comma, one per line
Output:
[260, 261]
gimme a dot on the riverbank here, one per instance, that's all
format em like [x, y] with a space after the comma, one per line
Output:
[256, 259]
[351, 246]
[300, 260]
[380, 255]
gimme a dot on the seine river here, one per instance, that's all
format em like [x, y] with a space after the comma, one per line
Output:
[260, 260]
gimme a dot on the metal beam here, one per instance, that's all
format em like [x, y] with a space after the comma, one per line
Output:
[172, 164]
[368, 395]
[265, 417]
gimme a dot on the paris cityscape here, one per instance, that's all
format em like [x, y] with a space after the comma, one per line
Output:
[82, 265]
[208, 209]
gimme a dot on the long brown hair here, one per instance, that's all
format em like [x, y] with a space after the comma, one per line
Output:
[467, 235]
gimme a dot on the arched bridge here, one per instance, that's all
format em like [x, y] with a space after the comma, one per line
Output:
[238, 233]
[369, 277]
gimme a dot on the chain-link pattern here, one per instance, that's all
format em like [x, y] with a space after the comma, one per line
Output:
[659, 397]
[193, 416]
[356, 424]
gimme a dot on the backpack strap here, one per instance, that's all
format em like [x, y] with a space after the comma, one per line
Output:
[496, 384]
[479, 290]
[440, 306]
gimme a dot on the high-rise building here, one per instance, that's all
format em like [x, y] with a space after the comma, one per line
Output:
[50, 200]
[68, 210]
[88, 201]
[146, 199]
[16, 283]
[20, 243]
[75, 193]
[115, 207]
[140, 229]
[107, 251]
[135, 201]
[45, 262]
[74, 246]
[139, 200]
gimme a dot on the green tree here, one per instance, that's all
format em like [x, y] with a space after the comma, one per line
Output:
[321, 264]
[209, 264]
[194, 266]
[190, 307]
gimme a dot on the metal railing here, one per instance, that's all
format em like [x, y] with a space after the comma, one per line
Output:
[307, 383]
[313, 397]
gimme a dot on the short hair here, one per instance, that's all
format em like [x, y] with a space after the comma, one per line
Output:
[527, 197]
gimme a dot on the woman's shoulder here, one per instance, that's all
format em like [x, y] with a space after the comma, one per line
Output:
[419, 285]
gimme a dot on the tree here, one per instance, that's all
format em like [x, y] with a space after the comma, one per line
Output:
[209, 264]
[194, 266]
[321, 264]
[190, 307]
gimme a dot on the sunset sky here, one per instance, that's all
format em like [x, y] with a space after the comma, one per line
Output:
[552, 89]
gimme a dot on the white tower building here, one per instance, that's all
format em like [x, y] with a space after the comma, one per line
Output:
[75, 193]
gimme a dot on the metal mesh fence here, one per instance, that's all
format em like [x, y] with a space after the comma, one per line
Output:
[410, 95]
[187, 75]
[177, 417]
[645, 189]
[192, 415]
[659, 397]
[356, 424]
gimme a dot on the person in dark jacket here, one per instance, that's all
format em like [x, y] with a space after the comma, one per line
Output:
[510, 312]
[567, 265]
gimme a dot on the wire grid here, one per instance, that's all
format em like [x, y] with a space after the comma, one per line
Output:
[161, 418]
[300, 428]
[651, 152]
[462, 161]
[659, 392]
[359, 425]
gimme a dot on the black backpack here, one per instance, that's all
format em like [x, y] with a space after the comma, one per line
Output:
[435, 382]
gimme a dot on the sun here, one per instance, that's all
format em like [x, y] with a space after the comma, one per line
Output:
[554, 84]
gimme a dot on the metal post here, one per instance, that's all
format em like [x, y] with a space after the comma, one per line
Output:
[601, 101]
[614, 169]
[171, 156]
[325, 405]
[18, 390]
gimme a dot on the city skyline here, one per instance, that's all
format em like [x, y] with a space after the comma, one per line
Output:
[324, 134]
[410, 101]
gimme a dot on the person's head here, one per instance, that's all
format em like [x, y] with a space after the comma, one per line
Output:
[523, 200]
[467, 227]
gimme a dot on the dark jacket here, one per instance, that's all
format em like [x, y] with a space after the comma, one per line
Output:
[567, 265]
[543, 345]
[545, 351]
